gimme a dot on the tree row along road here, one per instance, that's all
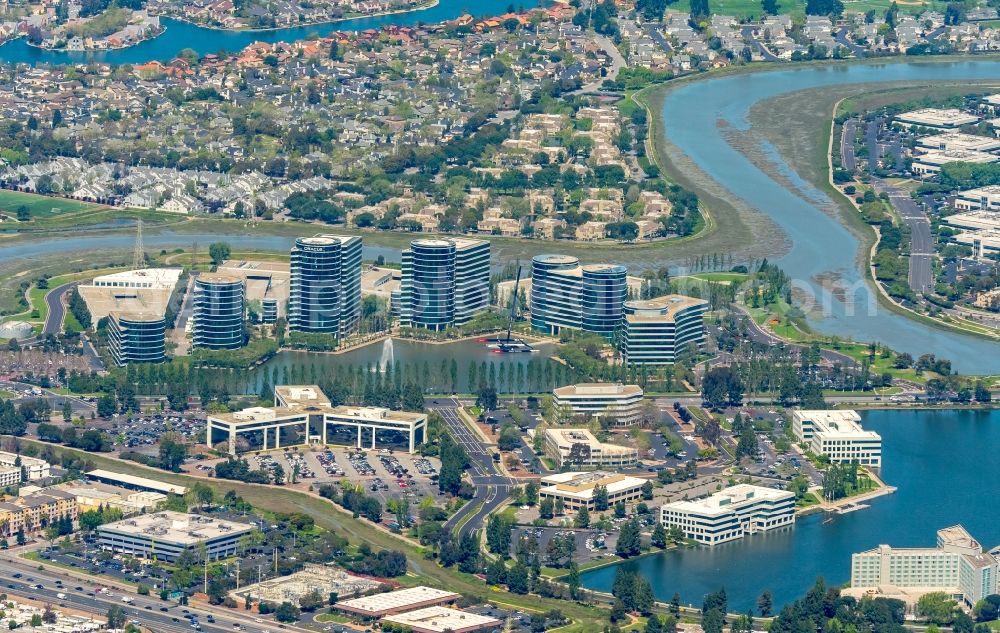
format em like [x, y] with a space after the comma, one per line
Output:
[357, 531]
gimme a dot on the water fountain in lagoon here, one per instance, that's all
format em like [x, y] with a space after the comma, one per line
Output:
[388, 355]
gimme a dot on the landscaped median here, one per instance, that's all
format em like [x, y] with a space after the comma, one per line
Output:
[358, 531]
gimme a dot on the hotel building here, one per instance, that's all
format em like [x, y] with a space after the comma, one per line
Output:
[444, 282]
[587, 298]
[622, 404]
[219, 309]
[137, 337]
[325, 287]
[579, 448]
[730, 514]
[33, 510]
[164, 536]
[839, 436]
[957, 566]
[656, 330]
[303, 415]
[576, 489]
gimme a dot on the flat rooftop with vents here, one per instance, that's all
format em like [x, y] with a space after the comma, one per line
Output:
[166, 535]
[441, 619]
[400, 601]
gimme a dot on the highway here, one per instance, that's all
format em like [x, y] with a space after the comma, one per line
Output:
[80, 591]
[492, 486]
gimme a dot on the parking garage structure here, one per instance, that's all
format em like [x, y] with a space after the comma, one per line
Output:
[267, 428]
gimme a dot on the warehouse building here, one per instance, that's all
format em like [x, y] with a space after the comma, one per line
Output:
[443, 620]
[400, 601]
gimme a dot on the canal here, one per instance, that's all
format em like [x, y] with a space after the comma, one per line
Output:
[697, 116]
[944, 465]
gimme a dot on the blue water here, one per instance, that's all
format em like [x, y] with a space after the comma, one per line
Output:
[936, 488]
[180, 35]
[820, 245]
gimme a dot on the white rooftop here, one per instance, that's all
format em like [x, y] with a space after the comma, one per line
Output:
[397, 600]
[177, 527]
[937, 117]
[830, 423]
[727, 499]
[141, 482]
[142, 278]
[440, 619]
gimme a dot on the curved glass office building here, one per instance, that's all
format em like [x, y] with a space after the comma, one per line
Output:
[656, 330]
[136, 337]
[218, 311]
[444, 282]
[565, 294]
[325, 286]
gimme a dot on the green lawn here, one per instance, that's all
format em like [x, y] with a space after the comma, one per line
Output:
[740, 8]
[730, 277]
[41, 206]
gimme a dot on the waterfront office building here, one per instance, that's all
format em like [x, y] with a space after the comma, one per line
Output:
[444, 282]
[137, 337]
[731, 513]
[839, 436]
[655, 331]
[580, 448]
[621, 404]
[576, 489]
[565, 294]
[303, 415]
[958, 566]
[164, 536]
[325, 286]
[219, 308]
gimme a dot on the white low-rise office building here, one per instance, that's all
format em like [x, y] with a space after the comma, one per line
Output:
[958, 566]
[930, 164]
[730, 514]
[839, 436]
[621, 404]
[576, 489]
[936, 118]
[580, 448]
[982, 198]
[164, 536]
[957, 140]
[36, 468]
[302, 415]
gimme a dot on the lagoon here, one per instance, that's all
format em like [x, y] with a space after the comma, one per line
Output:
[180, 35]
[944, 465]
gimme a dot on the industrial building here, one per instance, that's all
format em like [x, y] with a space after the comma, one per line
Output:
[137, 337]
[576, 489]
[445, 282]
[131, 482]
[443, 620]
[164, 536]
[839, 436]
[219, 312]
[303, 415]
[655, 331]
[620, 404]
[957, 566]
[145, 290]
[567, 295]
[399, 601]
[325, 287]
[731, 513]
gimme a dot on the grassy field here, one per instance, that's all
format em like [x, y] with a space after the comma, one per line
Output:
[41, 206]
[585, 618]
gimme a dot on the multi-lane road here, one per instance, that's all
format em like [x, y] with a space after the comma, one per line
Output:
[492, 486]
[19, 577]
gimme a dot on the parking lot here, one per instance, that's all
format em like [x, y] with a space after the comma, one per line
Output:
[590, 544]
[141, 431]
[384, 474]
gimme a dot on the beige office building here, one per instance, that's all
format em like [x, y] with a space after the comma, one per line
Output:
[621, 404]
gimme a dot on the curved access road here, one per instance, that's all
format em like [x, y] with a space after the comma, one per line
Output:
[56, 313]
